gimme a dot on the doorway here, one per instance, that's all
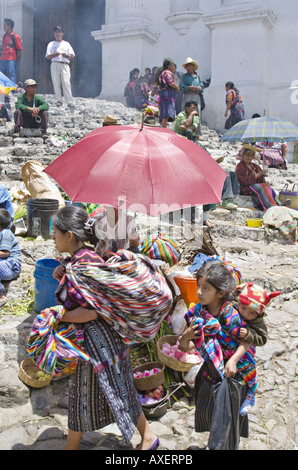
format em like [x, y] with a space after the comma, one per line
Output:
[78, 19]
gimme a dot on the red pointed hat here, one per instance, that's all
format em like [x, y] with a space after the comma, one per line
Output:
[255, 296]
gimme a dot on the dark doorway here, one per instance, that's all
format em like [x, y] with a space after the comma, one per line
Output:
[78, 19]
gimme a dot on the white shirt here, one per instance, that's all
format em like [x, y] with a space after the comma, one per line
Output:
[61, 47]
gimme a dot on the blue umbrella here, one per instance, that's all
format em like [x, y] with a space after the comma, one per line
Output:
[260, 130]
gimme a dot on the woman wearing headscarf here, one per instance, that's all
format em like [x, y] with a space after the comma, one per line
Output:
[252, 180]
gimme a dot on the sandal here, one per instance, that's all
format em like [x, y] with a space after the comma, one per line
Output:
[59, 103]
[153, 446]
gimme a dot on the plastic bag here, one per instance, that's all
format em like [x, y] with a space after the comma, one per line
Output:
[177, 320]
[190, 376]
[224, 429]
[60, 142]
[38, 183]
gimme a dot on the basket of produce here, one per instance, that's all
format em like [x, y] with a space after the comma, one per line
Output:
[154, 402]
[172, 357]
[31, 375]
[149, 376]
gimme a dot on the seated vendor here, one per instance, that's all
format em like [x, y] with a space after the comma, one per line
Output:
[31, 109]
[188, 121]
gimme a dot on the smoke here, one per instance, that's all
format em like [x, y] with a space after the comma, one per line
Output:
[78, 19]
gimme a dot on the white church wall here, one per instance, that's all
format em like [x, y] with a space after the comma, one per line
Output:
[250, 42]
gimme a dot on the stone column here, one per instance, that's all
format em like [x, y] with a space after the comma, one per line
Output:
[183, 13]
[125, 39]
[22, 13]
[239, 54]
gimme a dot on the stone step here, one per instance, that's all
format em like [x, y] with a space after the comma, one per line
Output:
[230, 230]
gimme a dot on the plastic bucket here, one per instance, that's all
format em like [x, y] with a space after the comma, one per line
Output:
[188, 289]
[39, 217]
[45, 284]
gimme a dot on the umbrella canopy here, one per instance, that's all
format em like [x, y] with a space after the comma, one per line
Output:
[6, 85]
[152, 169]
[260, 130]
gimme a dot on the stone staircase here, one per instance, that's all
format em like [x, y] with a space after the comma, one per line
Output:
[74, 124]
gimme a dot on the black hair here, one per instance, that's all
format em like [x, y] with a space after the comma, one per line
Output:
[74, 219]
[93, 230]
[132, 72]
[219, 276]
[165, 65]
[232, 87]
[189, 103]
[5, 220]
[9, 21]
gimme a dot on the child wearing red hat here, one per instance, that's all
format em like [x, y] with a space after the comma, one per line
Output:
[252, 301]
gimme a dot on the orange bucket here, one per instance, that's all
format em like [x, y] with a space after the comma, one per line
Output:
[188, 288]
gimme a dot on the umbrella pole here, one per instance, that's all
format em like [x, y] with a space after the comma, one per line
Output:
[143, 119]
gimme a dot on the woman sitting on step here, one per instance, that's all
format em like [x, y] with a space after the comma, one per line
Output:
[252, 180]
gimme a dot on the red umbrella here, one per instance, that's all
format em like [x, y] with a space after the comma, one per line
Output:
[152, 169]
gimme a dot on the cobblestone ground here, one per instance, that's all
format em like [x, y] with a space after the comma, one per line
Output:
[37, 419]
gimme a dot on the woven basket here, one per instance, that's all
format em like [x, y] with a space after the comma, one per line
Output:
[286, 193]
[27, 374]
[174, 364]
[152, 381]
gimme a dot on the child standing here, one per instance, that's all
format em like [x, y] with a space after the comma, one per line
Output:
[10, 253]
[213, 318]
[214, 329]
[252, 301]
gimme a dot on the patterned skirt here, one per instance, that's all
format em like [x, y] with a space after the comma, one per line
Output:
[167, 105]
[273, 158]
[103, 391]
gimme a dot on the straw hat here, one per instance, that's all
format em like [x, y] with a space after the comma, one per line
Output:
[189, 60]
[250, 147]
[109, 120]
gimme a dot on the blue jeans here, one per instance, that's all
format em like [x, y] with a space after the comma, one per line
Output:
[9, 68]
[9, 269]
[231, 186]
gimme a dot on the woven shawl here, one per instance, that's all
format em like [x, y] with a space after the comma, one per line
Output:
[218, 341]
[128, 292]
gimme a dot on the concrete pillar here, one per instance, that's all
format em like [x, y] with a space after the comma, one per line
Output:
[125, 40]
[239, 54]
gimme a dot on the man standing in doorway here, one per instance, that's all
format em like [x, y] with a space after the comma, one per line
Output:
[61, 53]
[11, 51]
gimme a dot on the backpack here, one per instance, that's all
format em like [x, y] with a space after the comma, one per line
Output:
[13, 37]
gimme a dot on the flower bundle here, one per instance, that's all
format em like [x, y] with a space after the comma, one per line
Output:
[146, 373]
[192, 357]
